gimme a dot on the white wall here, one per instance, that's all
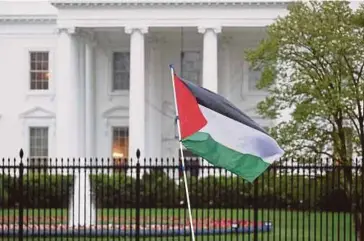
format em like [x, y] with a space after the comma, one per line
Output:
[15, 96]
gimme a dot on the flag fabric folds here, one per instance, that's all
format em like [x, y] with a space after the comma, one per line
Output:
[214, 129]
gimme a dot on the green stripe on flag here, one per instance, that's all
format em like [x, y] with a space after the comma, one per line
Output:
[245, 165]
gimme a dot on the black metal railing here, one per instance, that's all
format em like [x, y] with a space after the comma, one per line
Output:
[97, 198]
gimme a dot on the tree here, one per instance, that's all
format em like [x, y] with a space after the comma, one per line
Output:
[312, 61]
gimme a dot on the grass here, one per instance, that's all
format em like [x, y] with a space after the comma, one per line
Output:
[287, 225]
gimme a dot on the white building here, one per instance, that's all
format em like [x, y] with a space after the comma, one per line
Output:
[92, 78]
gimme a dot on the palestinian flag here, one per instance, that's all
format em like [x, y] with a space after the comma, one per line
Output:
[214, 129]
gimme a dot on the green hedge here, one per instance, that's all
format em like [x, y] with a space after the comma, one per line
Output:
[158, 190]
[119, 190]
[113, 190]
[38, 190]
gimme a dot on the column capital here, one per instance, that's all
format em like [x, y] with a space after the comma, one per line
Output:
[204, 29]
[131, 29]
[68, 30]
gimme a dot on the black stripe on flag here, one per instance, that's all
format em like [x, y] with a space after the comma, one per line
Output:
[220, 105]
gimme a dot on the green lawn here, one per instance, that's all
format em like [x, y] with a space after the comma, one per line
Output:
[287, 225]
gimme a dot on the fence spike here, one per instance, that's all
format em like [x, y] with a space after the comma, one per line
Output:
[21, 153]
[138, 153]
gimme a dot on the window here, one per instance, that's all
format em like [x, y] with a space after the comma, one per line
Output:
[120, 144]
[191, 66]
[39, 70]
[38, 145]
[121, 71]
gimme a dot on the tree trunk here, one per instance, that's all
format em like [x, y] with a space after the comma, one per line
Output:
[356, 208]
[360, 214]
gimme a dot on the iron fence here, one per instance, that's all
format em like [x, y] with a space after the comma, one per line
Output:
[100, 198]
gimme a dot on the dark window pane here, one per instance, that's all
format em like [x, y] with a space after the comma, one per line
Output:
[33, 66]
[38, 140]
[33, 56]
[191, 66]
[125, 81]
[38, 76]
[32, 85]
[45, 56]
[45, 85]
[121, 66]
[33, 77]
[39, 67]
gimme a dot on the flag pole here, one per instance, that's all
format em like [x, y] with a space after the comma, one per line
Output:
[182, 155]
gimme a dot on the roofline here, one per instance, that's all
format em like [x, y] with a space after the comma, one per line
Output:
[42, 19]
[117, 3]
[49, 19]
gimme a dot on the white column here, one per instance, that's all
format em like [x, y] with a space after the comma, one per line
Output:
[226, 90]
[136, 92]
[210, 66]
[209, 73]
[81, 96]
[90, 101]
[155, 99]
[67, 95]
[70, 98]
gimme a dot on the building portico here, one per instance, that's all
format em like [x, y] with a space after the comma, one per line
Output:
[112, 84]
[148, 95]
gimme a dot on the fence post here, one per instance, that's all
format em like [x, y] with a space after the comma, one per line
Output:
[21, 191]
[137, 215]
[255, 207]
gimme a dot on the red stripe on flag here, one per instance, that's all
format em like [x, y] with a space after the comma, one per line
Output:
[190, 116]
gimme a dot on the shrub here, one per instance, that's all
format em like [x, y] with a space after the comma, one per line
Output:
[6, 184]
[157, 189]
[113, 190]
[44, 191]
